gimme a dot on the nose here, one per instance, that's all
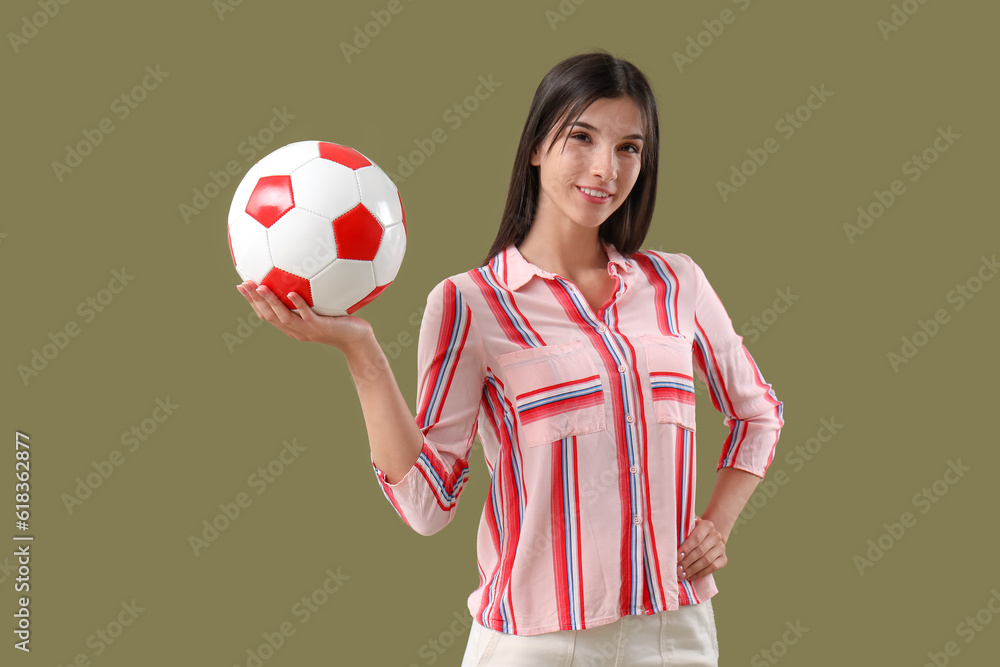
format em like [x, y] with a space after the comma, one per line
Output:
[605, 164]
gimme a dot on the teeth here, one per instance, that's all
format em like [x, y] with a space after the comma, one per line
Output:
[595, 193]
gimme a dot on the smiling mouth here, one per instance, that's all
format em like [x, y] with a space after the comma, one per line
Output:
[594, 193]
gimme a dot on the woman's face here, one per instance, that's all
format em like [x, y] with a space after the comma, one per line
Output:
[602, 153]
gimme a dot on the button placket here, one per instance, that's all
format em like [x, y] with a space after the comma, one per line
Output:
[630, 418]
[636, 389]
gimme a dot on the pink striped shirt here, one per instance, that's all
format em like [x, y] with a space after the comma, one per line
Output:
[587, 422]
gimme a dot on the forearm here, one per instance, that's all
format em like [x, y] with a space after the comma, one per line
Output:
[393, 435]
[732, 490]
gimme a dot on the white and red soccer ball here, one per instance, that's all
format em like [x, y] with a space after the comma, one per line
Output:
[319, 219]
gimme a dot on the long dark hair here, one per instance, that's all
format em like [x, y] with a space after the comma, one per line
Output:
[565, 92]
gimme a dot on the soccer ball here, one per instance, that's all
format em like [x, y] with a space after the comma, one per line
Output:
[319, 219]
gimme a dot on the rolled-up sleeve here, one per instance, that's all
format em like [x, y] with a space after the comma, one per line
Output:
[451, 370]
[752, 412]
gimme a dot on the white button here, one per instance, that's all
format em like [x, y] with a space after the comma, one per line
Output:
[636, 520]
[629, 418]
[633, 469]
[601, 329]
[621, 369]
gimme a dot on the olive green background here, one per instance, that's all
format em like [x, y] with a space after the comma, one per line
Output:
[165, 334]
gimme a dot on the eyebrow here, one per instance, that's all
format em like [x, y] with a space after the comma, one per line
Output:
[588, 126]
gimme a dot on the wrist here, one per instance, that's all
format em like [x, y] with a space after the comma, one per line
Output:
[364, 356]
[723, 523]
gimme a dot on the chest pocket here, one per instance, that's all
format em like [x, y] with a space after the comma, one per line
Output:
[556, 391]
[670, 368]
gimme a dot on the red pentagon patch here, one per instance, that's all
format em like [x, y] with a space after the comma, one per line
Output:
[358, 234]
[343, 155]
[282, 282]
[271, 198]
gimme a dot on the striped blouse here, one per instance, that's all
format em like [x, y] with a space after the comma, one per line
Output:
[587, 422]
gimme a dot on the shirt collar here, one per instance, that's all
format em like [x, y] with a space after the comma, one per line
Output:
[519, 270]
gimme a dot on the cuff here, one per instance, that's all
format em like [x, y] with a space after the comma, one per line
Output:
[384, 481]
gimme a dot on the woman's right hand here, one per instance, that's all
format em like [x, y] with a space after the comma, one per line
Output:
[303, 324]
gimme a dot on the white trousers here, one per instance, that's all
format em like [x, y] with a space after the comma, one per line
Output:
[683, 637]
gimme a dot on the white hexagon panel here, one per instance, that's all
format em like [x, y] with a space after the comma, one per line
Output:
[319, 219]
[302, 243]
[390, 256]
[312, 185]
[379, 195]
[251, 253]
[344, 281]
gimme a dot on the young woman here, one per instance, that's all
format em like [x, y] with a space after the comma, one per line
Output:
[571, 352]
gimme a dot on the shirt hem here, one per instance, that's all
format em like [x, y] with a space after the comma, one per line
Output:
[594, 623]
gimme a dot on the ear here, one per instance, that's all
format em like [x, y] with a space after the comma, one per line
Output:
[534, 158]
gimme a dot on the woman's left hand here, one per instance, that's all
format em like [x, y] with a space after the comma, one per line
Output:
[703, 552]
